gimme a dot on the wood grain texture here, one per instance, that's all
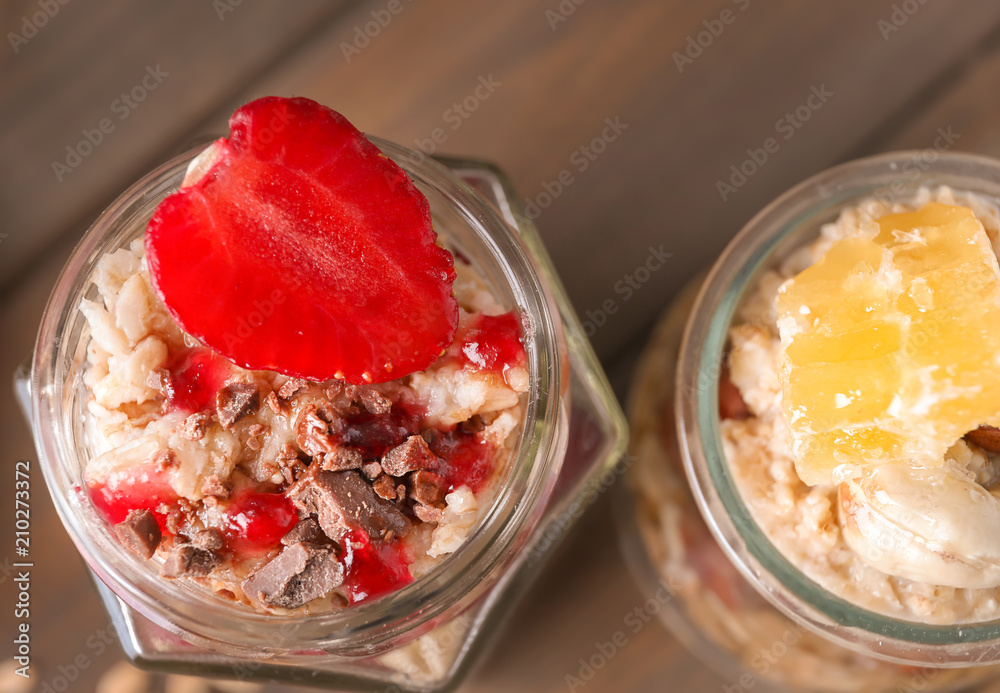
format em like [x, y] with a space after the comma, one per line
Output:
[149, 71]
[656, 183]
[557, 83]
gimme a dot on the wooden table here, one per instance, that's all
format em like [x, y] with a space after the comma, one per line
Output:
[693, 89]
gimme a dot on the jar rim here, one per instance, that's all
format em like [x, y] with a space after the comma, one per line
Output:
[777, 228]
[207, 620]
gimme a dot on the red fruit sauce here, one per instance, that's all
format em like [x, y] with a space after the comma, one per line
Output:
[142, 487]
[468, 459]
[374, 434]
[371, 570]
[196, 375]
[255, 522]
[492, 343]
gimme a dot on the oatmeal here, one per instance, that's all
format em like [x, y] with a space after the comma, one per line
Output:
[817, 527]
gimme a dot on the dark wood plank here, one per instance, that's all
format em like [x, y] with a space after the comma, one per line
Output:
[657, 182]
[171, 62]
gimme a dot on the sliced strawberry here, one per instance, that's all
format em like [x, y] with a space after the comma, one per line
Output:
[300, 248]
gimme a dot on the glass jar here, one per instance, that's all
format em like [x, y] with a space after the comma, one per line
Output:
[687, 530]
[424, 636]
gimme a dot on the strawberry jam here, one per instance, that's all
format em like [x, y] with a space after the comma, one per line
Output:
[195, 377]
[255, 522]
[374, 434]
[143, 487]
[372, 570]
[492, 343]
[468, 459]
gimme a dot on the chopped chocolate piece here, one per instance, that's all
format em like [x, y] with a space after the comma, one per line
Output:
[350, 391]
[300, 573]
[474, 424]
[343, 501]
[175, 518]
[427, 513]
[164, 459]
[986, 437]
[252, 433]
[236, 400]
[194, 426]
[372, 470]
[400, 493]
[315, 429]
[385, 487]
[216, 489]
[307, 531]
[139, 533]
[289, 463]
[341, 460]
[276, 404]
[291, 387]
[409, 457]
[425, 487]
[159, 380]
[208, 539]
[333, 389]
[187, 560]
[375, 402]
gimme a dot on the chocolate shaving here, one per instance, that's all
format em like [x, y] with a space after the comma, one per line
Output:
[299, 574]
[159, 380]
[276, 404]
[187, 560]
[164, 460]
[986, 437]
[425, 487]
[235, 401]
[195, 426]
[216, 489]
[375, 402]
[253, 432]
[292, 387]
[139, 533]
[427, 513]
[316, 427]
[341, 460]
[409, 457]
[342, 501]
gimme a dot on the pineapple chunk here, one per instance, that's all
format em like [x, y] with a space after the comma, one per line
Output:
[890, 345]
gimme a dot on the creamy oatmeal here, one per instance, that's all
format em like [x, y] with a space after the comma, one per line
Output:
[282, 493]
[807, 523]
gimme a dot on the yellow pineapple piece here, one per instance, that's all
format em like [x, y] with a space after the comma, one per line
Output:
[890, 346]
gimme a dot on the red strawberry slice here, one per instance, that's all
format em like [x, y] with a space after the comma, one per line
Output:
[301, 248]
